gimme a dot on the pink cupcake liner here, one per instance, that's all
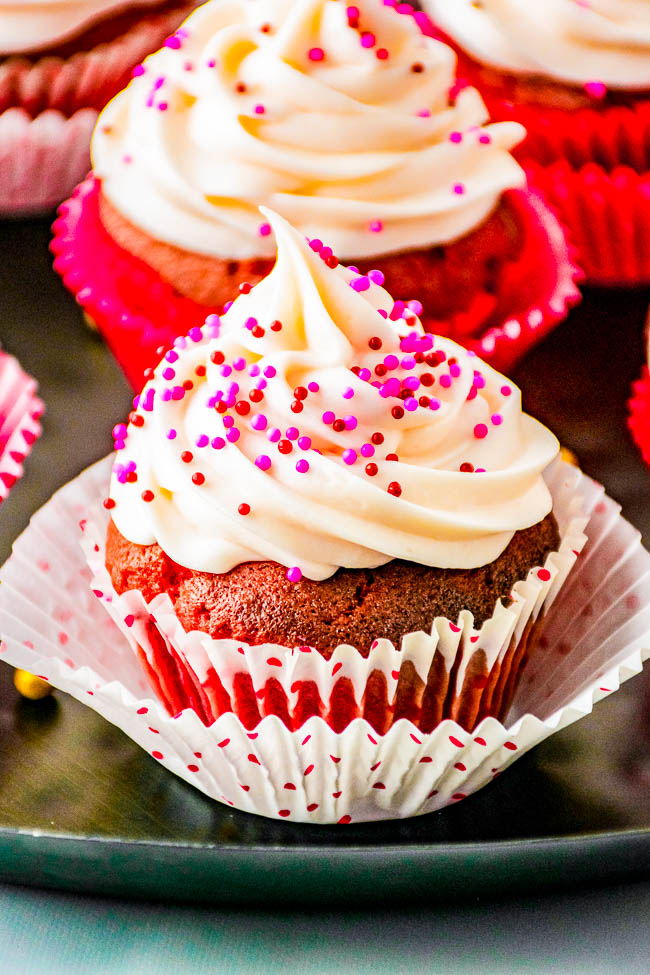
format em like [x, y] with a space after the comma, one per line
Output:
[638, 419]
[595, 637]
[42, 159]
[137, 312]
[607, 214]
[87, 79]
[20, 410]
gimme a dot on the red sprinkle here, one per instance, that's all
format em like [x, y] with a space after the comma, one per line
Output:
[244, 508]
[394, 488]
[147, 495]
[187, 456]
[198, 478]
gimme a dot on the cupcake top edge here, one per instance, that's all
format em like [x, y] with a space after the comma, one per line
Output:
[29, 25]
[344, 119]
[316, 425]
[579, 42]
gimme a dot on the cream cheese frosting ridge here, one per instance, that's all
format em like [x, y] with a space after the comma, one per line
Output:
[337, 117]
[29, 25]
[572, 41]
[318, 426]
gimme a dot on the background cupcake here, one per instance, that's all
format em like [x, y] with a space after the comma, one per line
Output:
[315, 475]
[60, 63]
[577, 75]
[342, 120]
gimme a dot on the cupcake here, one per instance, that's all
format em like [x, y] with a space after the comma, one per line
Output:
[345, 121]
[313, 486]
[20, 410]
[577, 75]
[60, 63]
[639, 405]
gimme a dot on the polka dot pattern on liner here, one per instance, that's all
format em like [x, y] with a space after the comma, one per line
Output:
[448, 485]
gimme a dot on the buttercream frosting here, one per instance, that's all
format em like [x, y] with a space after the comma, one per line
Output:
[343, 124]
[30, 25]
[318, 426]
[574, 41]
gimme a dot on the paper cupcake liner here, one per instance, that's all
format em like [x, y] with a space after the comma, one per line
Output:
[41, 159]
[607, 214]
[87, 79]
[454, 671]
[638, 419]
[137, 312]
[611, 134]
[596, 637]
[20, 409]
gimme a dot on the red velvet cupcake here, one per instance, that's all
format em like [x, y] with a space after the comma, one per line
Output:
[577, 76]
[60, 63]
[341, 120]
[319, 509]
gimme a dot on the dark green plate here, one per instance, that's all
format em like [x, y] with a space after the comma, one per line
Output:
[83, 808]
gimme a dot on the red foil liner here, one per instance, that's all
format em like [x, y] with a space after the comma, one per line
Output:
[638, 419]
[86, 79]
[607, 214]
[137, 312]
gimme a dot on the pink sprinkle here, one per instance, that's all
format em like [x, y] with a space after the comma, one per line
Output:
[316, 53]
[227, 307]
[250, 323]
[434, 404]
[239, 364]
[367, 450]
[173, 42]
[254, 370]
[233, 435]
[416, 308]
[410, 404]
[328, 417]
[350, 422]
[218, 443]
[377, 277]
[212, 63]
[480, 431]
[171, 434]
[349, 456]
[304, 443]
[259, 422]
[274, 435]
[294, 574]
[445, 381]
[316, 244]
[423, 113]
[455, 370]
[459, 189]
[228, 421]
[456, 137]
[259, 109]
[166, 395]
[364, 375]
[263, 462]
[506, 391]
[596, 89]
[360, 284]
[348, 393]
[485, 139]
[391, 361]
[302, 466]
[269, 372]
[368, 39]
[375, 226]
[162, 106]
[291, 433]
[313, 387]
[138, 70]
[479, 380]
[382, 53]
[264, 229]
[203, 441]
[168, 373]
[496, 419]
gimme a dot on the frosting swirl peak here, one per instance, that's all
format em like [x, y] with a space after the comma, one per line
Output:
[343, 124]
[318, 426]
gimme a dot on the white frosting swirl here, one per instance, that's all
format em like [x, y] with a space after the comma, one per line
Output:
[359, 149]
[30, 25]
[319, 506]
[572, 41]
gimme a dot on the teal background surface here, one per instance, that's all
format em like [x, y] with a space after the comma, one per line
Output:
[596, 932]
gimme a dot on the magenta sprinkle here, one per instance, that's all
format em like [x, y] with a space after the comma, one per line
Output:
[120, 431]
[596, 89]
[506, 390]
[228, 421]
[479, 381]
[411, 382]
[316, 53]
[377, 277]
[485, 139]
[349, 456]
[218, 443]
[423, 113]
[396, 311]
[264, 229]
[459, 189]
[212, 63]
[480, 431]
[225, 370]
[168, 373]
[171, 356]
[233, 435]
[263, 462]
[294, 574]
[328, 417]
[316, 244]
[227, 307]
[269, 372]
[348, 393]
[274, 435]
[375, 226]
[364, 375]
[391, 361]
[259, 109]
[455, 370]
[173, 42]
[202, 441]
[260, 384]
[367, 450]
[239, 364]
[292, 433]
[302, 466]
[178, 393]
[367, 39]
[250, 323]
[162, 106]
[254, 371]
[456, 137]
[304, 443]
[445, 381]
[313, 387]
[166, 395]
[259, 422]
[350, 422]
[496, 419]
[415, 306]
[119, 445]
[410, 404]
[138, 71]
[434, 404]
[195, 334]
[360, 284]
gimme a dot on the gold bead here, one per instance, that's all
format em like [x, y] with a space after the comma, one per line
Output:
[30, 686]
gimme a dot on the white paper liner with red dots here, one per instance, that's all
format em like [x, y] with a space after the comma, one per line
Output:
[596, 636]
[20, 409]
